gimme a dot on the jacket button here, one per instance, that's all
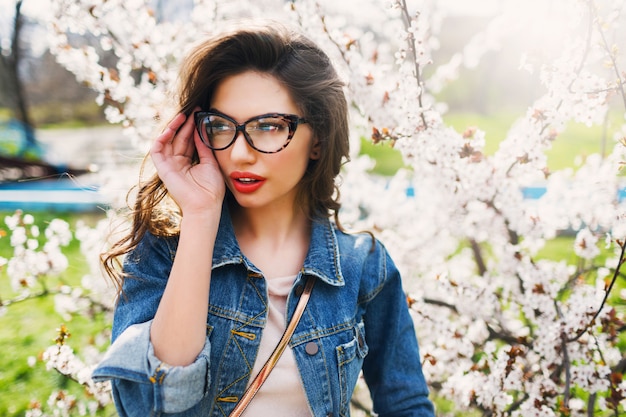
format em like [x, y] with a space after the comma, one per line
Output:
[329, 414]
[311, 348]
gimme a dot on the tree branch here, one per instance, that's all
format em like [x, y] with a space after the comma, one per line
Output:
[606, 295]
[406, 18]
[620, 81]
[441, 304]
[478, 256]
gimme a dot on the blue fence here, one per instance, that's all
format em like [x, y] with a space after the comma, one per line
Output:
[57, 195]
[70, 195]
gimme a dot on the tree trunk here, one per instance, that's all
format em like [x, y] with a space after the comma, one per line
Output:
[12, 83]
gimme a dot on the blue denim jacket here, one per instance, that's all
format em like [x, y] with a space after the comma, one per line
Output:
[357, 319]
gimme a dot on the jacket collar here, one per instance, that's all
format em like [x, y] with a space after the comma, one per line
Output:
[321, 261]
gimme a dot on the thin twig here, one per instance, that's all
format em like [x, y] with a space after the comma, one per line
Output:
[28, 296]
[591, 404]
[478, 257]
[568, 375]
[440, 303]
[566, 361]
[620, 81]
[412, 49]
[606, 296]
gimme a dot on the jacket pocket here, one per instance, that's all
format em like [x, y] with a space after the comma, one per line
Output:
[350, 361]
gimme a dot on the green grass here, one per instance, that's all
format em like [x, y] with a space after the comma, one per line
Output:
[562, 248]
[559, 248]
[494, 126]
[65, 114]
[27, 328]
[575, 142]
[388, 160]
[68, 115]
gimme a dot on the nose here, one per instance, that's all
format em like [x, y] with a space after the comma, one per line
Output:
[241, 150]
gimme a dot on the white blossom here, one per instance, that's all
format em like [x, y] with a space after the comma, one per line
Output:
[498, 325]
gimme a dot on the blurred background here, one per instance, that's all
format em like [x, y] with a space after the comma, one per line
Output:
[52, 121]
[55, 141]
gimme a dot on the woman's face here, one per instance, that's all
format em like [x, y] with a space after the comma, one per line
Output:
[260, 180]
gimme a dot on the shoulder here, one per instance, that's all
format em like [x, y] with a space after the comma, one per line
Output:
[356, 243]
[151, 242]
[362, 253]
[157, 249]
[360, 245]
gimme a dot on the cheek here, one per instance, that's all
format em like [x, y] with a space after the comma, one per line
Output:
[299, 168]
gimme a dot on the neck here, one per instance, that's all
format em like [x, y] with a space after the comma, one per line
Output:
[269, 225]
[276, 241]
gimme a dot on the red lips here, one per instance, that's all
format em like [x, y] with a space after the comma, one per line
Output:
[246, 182]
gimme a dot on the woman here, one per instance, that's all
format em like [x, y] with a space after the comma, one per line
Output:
[208, 289]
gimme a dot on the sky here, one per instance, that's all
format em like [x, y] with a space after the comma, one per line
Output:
[37, 8]
[470, 7]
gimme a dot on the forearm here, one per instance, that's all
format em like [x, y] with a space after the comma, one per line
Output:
[178, 331]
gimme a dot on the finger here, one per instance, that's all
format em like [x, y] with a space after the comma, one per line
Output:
[162, 146]
[172, 128]
[183, 143]
[203, 150]
[167, 136]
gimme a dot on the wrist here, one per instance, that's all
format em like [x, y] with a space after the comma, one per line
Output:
[201, 218]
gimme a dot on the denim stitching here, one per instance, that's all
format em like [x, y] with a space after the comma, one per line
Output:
[237, 331]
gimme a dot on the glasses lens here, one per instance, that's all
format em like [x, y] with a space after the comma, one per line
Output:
[218, 131]
[268, 134]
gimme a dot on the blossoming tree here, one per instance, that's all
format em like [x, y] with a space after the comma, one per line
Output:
[502, 330]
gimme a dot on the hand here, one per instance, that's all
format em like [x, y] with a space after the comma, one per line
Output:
[195, 188]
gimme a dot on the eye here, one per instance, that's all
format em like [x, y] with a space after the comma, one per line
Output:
[219, 125]
[271, 125]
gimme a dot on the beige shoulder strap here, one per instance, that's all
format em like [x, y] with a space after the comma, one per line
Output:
[278, 351]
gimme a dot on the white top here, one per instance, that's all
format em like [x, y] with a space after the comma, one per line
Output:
[282, 394]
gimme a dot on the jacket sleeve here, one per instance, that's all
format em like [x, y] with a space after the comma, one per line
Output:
[142, 384]
[392, 368]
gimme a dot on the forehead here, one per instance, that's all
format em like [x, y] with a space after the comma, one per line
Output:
[252, 93]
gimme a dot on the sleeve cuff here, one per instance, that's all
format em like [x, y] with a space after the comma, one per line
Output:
[131, 358]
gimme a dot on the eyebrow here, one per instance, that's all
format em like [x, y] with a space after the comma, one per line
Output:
[214, 110]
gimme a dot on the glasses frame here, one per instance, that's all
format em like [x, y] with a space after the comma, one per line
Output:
[292, 120]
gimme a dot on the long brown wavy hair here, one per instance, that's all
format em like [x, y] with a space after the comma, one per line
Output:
[309, 76]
